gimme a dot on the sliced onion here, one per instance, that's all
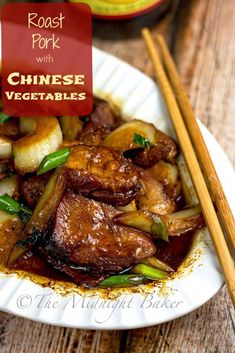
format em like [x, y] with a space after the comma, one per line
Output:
[123, 136]
[163, 225]
[5, 148]
[9, 185]
[184, 221]
[27, 125]
[71, 127]
[31, 149]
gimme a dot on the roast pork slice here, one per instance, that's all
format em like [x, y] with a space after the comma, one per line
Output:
[84, 237]
[102, 173]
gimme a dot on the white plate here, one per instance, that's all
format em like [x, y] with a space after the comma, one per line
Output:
[140, 98]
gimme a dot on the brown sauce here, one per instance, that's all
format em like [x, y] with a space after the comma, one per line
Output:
[173, 253]
[36, 264]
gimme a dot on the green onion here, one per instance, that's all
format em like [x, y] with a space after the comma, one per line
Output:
[158, 228]
[10, 205]
[149, 272]
[4, 118]
[156, 263]
[122, 281]
[54, 160]
[141, 140]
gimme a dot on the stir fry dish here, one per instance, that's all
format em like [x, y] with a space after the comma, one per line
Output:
[94, 200]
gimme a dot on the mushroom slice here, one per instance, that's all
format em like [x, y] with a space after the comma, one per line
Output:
[164, 148]
[102, 173]
[142, 142]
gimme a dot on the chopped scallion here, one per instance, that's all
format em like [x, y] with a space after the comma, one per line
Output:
[10, 205]
[122, 281]
[149, 272]
[54, 160]
[141, 140]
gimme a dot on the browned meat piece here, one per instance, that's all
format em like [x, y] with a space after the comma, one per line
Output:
[165, 148]
[100, 123]
[32, 188]
[102, 173]
[10, 128]
[6, 168]
[102, 114]
[93, 135]
[153, 196]
[119, 198]
[84, 237]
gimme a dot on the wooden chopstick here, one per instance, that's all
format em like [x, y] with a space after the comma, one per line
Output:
[193, 166]
[199, 145]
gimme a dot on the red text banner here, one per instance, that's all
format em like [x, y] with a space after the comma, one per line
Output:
[46, 59]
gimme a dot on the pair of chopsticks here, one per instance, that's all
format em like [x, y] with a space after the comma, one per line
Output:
[195, 153]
